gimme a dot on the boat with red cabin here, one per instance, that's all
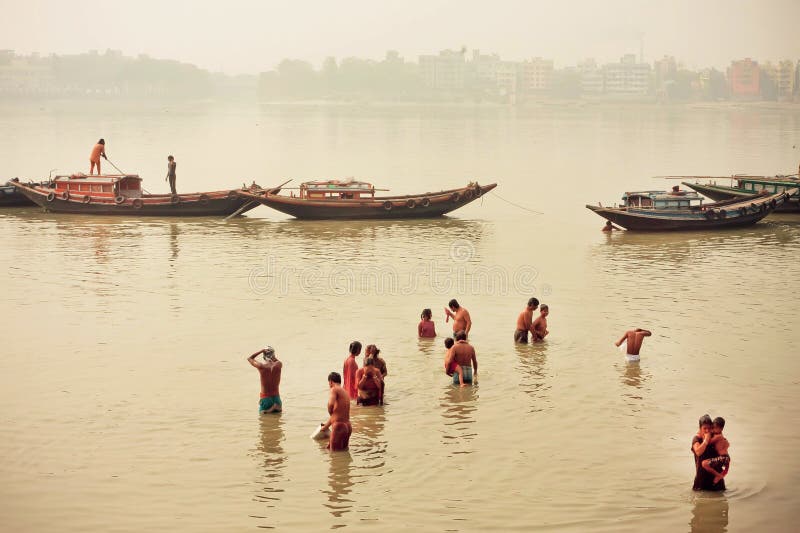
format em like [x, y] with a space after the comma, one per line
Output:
[351, 199]
[122, 194]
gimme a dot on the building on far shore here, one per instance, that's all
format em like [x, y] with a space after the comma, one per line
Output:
[785, 79]
[535, 76]
[592, 83]
[744, 79]
[444, 72]
[627, 78]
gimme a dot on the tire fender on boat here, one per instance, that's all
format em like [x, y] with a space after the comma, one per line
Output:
[478, 191]
[232, 195]
[455, 197]
[722, 213]
[710, 214]
[743, 211]
[425, 202]
[468, 194]
[51, 196]
[86, 199]
[137, 203]
[754, 207]
[411, 204]
[175, 199]
[119, 200]
[773, 204]
[204, 199]
[387, 205]
[65, 195]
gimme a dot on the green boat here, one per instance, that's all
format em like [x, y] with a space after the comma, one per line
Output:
[743, 186]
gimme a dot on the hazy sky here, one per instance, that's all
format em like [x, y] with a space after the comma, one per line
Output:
[238, 36]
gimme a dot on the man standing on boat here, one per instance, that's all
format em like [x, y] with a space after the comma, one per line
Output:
[270, 374]
[171, 173]
[98, 151]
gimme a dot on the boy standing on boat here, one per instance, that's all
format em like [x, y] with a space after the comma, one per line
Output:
[270, 374]
[171, 173]
[99, 150]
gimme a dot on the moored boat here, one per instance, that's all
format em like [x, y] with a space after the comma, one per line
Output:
[683, 210]
[10, 197]
[122, 194]
[743, 186]
[350, 199]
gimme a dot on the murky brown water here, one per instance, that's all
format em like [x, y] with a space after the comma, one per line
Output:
[127, 405]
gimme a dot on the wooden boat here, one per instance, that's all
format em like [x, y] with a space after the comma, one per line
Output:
[10, 197]
[121, 194]
[683, 210]
[743, 186]
[350, 199]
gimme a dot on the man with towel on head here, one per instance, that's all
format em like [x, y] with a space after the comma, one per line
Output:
[270, 373]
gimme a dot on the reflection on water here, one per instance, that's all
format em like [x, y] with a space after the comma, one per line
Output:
[534, 382]
[370, 446]
[709, 514]
[174, 233]
[458, 405]
[340, 484]
[271, 459]
[632, 376]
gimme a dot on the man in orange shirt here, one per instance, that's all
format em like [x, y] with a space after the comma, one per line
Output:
[94, 159]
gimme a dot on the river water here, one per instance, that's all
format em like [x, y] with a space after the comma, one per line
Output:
[127, 404]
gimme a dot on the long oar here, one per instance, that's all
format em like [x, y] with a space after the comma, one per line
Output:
[115, 166]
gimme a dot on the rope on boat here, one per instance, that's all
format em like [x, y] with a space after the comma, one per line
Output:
[517, 205]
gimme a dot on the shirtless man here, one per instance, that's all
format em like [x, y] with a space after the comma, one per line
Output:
[720, 465]
[633, 338]
[270, 373]
[350, 368]
[463, 354]
[460, 316]
[525, 322]
[339, 411]
[609, 227]
[370, 384]
[539, 326]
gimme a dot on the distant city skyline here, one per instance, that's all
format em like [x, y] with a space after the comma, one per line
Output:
[248, 37]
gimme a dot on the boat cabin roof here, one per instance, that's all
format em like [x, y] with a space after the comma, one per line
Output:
[97, 179]
[663, 196]
[348, 185]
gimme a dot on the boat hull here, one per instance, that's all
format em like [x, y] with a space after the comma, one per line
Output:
[11, 197]
[428, 205]
[720, 193]
[218, 203]
[634, 219]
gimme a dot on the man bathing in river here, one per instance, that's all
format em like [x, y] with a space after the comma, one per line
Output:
[339, 411]
[633, 339]
[463, 354]
[720, 465]
[460, 316]
[270, 373]
[451, 368]
[525, 322]
[350, 368]
[539, 326]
